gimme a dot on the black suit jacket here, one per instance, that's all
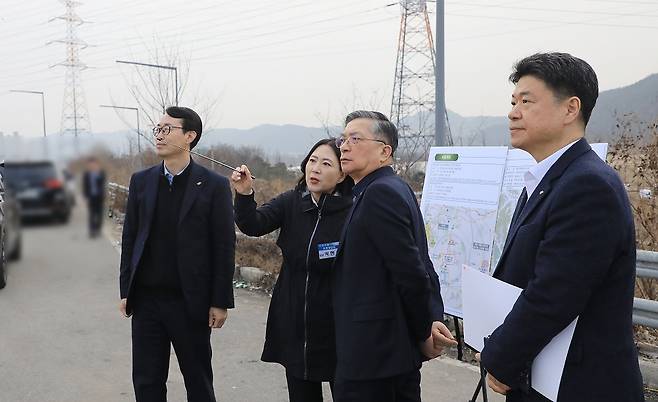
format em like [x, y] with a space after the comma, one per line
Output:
[386, 293]
[206, 237]
[572, 250]
[87, 185]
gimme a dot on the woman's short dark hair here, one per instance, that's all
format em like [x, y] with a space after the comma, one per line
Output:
[344, 187]
[565, 75]
[191, 121]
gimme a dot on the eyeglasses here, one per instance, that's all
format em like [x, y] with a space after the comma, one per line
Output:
[352, 140]
[165, 130]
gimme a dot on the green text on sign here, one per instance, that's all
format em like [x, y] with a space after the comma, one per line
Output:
[446, 157]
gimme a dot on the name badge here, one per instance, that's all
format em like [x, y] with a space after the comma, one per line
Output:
[327, 250]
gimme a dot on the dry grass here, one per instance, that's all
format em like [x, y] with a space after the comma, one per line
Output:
[636, 160]
[254, 252]
[258, 252]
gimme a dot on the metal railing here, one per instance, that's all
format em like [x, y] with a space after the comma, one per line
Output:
[645, 312]
[118, 197]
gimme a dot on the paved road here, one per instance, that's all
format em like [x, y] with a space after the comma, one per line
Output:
[62, 339]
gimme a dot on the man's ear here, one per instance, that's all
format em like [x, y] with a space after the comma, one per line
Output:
[573, 107]
[387, 152]
[190, 136]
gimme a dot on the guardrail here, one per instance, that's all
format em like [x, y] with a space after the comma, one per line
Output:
[118, 197]
[645, 312]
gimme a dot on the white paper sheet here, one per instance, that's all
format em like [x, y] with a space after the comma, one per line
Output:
[486, 303]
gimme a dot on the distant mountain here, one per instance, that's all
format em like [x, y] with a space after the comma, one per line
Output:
[277, 142]
[640, 99]
[479, 130]
[289, 143]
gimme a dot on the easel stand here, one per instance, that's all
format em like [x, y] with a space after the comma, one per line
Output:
[460, 339]
[482, 384]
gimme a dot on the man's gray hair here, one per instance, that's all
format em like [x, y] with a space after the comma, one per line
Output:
[382, 127]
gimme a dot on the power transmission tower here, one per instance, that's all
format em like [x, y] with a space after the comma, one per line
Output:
[75, 117]
[413, 104]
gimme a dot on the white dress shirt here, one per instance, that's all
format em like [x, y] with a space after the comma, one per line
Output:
[535, 174]
[169, 176]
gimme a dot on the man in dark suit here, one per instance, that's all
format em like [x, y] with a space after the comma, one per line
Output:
[387, 304]
[570, 247]
[93, 189]
[177, 262]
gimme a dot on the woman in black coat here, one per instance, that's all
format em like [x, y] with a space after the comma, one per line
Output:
[300, 327]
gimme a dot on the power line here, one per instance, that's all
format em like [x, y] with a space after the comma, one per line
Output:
[91, 54]
[562, 11]
[553, 21]
[232, 55]
[219, 56]
[525, 30]
[125, 42]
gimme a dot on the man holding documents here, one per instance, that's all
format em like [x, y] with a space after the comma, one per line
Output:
[387, 302]
[570, 246]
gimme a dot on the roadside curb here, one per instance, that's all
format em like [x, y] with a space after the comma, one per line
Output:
[254, 278]
[649, 369]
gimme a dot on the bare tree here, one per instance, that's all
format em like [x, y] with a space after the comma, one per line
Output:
[332, 122]
[154, 89]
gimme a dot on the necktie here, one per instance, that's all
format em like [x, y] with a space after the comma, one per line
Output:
[170, 178]
[523, 199]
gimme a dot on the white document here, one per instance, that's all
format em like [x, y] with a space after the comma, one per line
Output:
[486, 303]
[601, 149]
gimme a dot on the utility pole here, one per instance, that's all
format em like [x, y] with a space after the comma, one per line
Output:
[172, 68]
[439, 94]
[139, 133]
[43, 116]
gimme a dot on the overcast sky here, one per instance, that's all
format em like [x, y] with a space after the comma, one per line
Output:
[303, 61]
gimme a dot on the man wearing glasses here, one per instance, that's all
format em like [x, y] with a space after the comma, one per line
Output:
[387, 303]
[177, 262]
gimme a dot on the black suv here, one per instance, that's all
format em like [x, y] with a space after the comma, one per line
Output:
[39, 189]
[10, 230]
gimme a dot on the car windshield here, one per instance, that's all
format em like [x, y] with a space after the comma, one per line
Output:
[19, 175]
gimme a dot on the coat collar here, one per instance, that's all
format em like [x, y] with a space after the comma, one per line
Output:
[195, 183]
[329, 202]
[358, 191]
[542, 190]
[151, 192]
[372, 176]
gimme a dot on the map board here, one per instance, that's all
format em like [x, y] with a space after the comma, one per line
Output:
[469, 197]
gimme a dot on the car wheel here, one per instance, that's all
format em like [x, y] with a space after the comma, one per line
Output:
[17, 252]
[3, 269]
[64, 218]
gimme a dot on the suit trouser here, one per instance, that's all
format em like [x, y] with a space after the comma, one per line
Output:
[519, 396]
[300, 390]
[159, 322]
[95, 206]
[401, 388]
